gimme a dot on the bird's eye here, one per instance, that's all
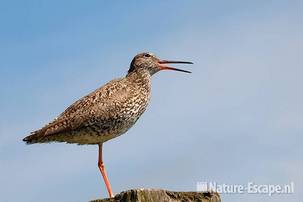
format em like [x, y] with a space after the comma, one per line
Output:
[147, 55]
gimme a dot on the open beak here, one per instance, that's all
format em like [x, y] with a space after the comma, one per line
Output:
[162, 65]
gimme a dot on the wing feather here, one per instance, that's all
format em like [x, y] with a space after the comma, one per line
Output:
[84, 111]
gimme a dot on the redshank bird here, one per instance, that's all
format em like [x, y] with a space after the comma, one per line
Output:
[107, 112]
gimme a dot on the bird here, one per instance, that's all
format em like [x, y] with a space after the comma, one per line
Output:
[107, 112]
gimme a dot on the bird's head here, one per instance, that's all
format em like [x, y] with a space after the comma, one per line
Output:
[148, 61]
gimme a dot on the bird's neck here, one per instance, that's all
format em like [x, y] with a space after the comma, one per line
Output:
[141, 77]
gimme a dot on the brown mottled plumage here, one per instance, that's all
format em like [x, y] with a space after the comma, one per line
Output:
[107, 112]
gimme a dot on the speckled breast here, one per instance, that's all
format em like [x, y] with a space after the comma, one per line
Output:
[123, 117]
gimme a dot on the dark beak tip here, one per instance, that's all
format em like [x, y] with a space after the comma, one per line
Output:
[174, 61]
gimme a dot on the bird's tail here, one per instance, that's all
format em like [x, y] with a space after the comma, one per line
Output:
[35, 137]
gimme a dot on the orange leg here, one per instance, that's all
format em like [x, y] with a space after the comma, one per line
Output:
[103, 172]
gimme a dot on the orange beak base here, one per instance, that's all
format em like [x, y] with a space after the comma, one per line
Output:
[162, 65]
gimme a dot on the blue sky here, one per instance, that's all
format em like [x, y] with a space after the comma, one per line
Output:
[237, 118]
